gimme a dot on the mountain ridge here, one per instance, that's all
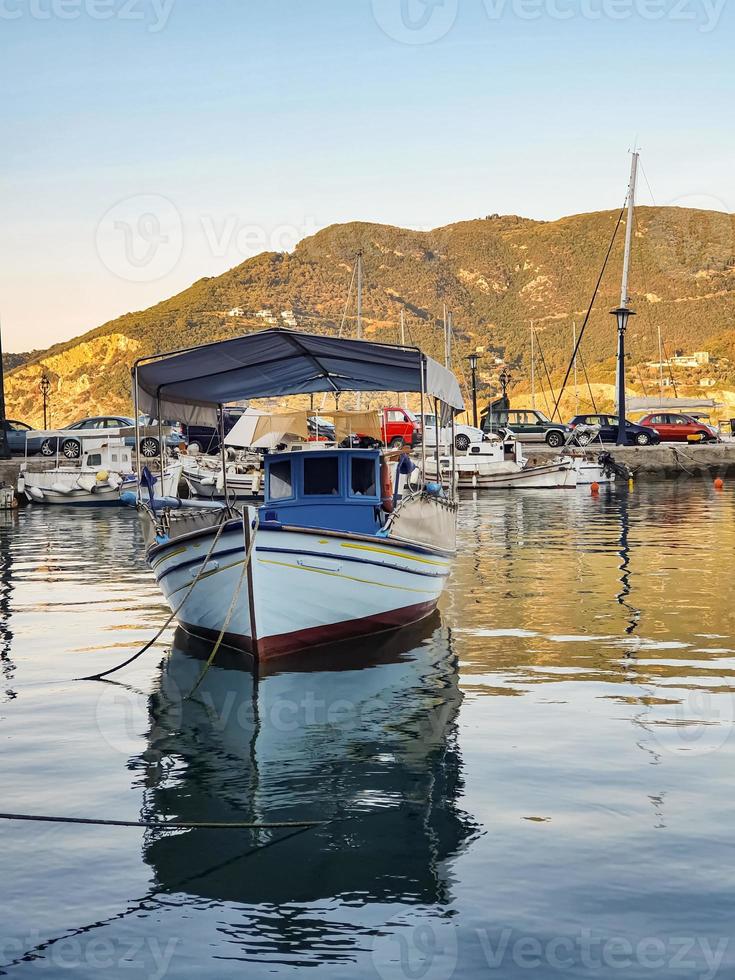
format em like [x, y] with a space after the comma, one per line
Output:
[496, 274]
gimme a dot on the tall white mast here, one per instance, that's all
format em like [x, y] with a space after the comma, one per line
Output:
[574, 351]
[359, 313]
[533, 367]
[624, 288]
[403, 344]
[448, 350]
[660, 364]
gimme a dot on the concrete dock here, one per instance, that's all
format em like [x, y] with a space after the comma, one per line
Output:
[669, 461]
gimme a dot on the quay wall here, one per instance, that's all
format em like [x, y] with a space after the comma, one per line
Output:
[665, 462]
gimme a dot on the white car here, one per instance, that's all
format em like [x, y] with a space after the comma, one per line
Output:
[464, 435]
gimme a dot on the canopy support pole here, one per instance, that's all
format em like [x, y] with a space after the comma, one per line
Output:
[454, 459]
[423, 420]
[223, 454]
[437, 416]
[137, 427]
[160, 446]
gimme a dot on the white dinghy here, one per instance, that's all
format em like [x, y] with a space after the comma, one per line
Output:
[334, 553]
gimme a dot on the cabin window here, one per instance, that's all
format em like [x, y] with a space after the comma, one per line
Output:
[94, 459]
[321, 477]
[362, 480]
[280, 484]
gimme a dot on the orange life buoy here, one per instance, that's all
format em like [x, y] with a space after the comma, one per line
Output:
[386, 487]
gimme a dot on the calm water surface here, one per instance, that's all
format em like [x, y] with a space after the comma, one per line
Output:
[538, 783]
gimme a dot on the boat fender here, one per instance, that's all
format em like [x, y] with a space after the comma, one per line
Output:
[60, 488]
[36, 493]
[103, 476]
[128, 498]
[386, 487]
[434, 489]
[87, 482]
[114, 480]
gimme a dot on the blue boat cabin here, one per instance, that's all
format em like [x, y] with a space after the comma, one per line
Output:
[337, 489]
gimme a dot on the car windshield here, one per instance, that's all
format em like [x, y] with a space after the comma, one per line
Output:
[541, 417]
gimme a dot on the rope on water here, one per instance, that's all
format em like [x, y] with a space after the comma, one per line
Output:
[233, 602]
[166, 825]
[175, 612]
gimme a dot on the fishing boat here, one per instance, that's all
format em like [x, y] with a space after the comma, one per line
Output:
[498, 463]
[334, 552]
[104, 472]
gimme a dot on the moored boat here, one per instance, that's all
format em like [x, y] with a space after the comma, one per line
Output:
[334, 552]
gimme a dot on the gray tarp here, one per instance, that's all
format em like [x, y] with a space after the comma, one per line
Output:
[273, 363]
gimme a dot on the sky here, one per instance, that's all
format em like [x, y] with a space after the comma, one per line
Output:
[148, 143]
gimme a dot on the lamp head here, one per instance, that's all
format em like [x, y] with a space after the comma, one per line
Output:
[623, 314]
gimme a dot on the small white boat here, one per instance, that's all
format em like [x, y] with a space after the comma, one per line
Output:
[203, 476]
[498, 463]
[104, 472]
[334, 553]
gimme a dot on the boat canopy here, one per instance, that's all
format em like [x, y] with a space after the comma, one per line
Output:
[189, 385]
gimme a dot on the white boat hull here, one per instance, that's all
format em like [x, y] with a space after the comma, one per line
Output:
[240, 486]
[477, 475]
[308, 587]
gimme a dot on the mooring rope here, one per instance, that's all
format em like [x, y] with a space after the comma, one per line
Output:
[175, 612]
[166, 825]
[233, 602]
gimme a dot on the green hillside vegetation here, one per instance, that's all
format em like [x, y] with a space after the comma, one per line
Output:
[497, 275]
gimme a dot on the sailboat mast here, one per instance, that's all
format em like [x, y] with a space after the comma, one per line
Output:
[533, 367]
[403, 344]
[574, 350]
[624, 287]
[359, 313]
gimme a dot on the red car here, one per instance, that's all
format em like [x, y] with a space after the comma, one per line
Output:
[681, 428]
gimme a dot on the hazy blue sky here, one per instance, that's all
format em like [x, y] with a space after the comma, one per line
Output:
[147, 143]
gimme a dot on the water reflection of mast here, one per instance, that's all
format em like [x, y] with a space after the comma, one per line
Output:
[6, 588]
[624, 567]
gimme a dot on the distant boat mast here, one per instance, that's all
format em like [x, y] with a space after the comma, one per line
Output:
[624, 288]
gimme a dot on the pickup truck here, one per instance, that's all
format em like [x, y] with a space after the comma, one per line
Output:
[401, 428]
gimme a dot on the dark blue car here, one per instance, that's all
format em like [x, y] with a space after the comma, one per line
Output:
[636, 435]
[21, 440]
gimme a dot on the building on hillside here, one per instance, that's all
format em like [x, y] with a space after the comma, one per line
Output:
[236, 311]
[707, 383]
[289, 318]
[266, 315]
[699, 359]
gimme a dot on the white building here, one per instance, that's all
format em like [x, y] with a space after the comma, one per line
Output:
[237, 311]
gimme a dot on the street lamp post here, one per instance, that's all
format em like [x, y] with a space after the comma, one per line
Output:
[45, 385]
[505, 379]
[473, 359]
[4, 447]
[622, 314]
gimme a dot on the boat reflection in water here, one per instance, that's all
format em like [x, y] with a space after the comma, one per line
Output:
[370, 746]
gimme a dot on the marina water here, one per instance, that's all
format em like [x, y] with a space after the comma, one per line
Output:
[536, 783]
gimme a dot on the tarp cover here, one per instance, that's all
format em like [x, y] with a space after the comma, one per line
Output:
[274, 363]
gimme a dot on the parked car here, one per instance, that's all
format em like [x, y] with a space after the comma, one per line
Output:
[20, 440]
[528, 425]
[111, 425]
[205, 438]
[464, 435]
[681, 428]
[401, 428]
[638, 435]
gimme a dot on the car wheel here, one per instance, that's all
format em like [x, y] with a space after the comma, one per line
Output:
[48, 448]
[462, 442]
[71, 449]
[642, 439]
[149, 448]
[396, 443]
[554, 439]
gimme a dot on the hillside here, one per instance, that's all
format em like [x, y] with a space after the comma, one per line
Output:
[496, 274]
